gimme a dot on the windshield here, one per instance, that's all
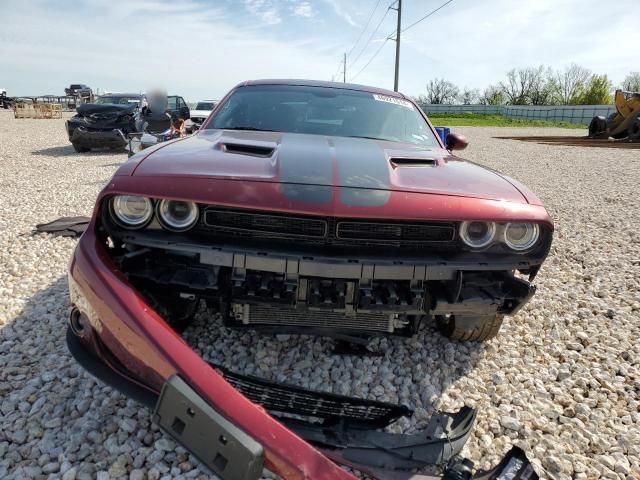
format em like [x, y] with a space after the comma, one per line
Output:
[117, 100]
[205, 106]
[323, 111]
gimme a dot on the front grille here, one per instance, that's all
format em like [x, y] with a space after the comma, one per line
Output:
[282, 315]
[262, 224]
[395, 231]
[329, 407]
[304, 232]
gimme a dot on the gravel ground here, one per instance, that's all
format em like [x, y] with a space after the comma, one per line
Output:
[562, 380]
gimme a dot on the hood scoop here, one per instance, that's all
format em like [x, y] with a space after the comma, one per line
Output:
[412, 162]
[245, 149]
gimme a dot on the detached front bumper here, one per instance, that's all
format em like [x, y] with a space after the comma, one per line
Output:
[117, 337]
[97, 138]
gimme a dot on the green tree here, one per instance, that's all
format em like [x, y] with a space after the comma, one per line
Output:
[570, 83]
[597, 91]
[492, 95]
[631, 82]
[529, 86]
[441, 91]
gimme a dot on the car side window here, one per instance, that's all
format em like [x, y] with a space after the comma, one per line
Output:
[172, 103]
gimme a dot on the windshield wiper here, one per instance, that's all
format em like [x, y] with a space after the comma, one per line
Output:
[250, 129]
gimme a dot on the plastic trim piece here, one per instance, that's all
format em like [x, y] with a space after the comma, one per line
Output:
[225, 449]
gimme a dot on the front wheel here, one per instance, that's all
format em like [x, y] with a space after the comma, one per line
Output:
[80, 149]
[470, 328]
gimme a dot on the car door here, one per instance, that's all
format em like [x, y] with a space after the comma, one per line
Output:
[183, 109]
[172, 106]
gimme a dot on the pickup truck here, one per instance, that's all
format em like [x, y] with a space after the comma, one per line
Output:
[78, 90]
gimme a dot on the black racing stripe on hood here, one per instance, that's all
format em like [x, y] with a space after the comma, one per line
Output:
[306, 168]
[360, 197]
[306, 193]
[362, 164]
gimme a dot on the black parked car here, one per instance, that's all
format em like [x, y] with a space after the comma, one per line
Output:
[108, 121]
[78, 90]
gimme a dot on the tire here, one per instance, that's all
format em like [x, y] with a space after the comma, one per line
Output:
[470, 329]
[634, 129]
[79, 148]
[597, 127]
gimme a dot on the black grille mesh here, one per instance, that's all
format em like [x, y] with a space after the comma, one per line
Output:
[395, 231]
[261, 223]
[303, 231]
[329, 407]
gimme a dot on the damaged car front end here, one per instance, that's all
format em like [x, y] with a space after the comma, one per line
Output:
[301, 233]
[236, 425]
[105, 123]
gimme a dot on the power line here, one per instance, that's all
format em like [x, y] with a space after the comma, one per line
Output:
[371, 59]
[373, 33]
[427, 16]
[365, 28]
[390, 36]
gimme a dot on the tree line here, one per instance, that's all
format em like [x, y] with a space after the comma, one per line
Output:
[575, 85]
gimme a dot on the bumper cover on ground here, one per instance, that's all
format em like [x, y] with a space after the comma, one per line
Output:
[346, 425]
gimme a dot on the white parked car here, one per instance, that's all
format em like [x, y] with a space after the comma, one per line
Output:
[201, 111]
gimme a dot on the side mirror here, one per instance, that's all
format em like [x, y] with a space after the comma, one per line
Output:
[455, 141]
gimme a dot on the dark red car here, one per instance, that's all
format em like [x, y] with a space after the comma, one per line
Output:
[306, 207]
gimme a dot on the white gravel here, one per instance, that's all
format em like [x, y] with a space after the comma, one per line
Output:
[562, 380]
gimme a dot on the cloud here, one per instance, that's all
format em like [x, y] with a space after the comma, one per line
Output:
[341, 11]
[191, 50]
[302, 9]
[265, 10]
[201, 49]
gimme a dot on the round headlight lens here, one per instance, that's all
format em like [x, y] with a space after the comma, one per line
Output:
[131, 211]
[176, 215]
[477, 234]
[521, 236]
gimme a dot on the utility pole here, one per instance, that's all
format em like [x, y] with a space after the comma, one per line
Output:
[399, 27]
[344, 69]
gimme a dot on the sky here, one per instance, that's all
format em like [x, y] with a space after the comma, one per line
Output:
[200, 49]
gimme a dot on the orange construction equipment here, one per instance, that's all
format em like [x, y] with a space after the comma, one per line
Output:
[624, 123]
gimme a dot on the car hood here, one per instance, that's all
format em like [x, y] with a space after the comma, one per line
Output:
[200, 113]
[317, 160]
[91, 108]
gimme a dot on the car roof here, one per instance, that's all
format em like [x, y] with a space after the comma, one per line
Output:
[121, 95]
[320, 83]
[202, 101]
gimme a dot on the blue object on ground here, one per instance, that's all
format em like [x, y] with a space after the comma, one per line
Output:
[442, 133]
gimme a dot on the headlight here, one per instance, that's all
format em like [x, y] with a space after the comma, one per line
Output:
[521, 236]
[477, 234]
[130, 211]
[177, 216]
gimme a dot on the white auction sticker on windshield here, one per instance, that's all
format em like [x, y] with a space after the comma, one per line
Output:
[397, 101]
